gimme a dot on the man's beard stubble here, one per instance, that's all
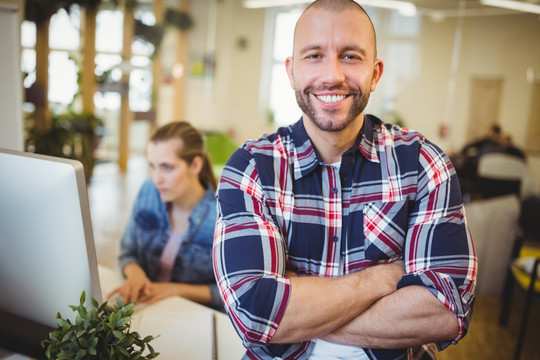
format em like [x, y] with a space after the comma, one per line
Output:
[360, 101]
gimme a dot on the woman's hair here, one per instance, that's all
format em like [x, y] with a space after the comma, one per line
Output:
[192, 146]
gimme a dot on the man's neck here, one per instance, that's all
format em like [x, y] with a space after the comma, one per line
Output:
[331, 145]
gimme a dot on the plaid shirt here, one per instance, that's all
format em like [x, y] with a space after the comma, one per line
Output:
[395, 196]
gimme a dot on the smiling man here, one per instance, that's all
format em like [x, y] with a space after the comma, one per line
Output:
[340, 236]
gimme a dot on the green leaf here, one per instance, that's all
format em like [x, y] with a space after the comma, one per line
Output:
[80, 354]
[113, 317]
[123, 351]
[78, 320]
[67, 336]
[148, 338]
[84, 343]
[62, 323]
[118, 334]
[82, 311]
[123, 321]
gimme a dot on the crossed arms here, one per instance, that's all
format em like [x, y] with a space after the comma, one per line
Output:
[364, 309]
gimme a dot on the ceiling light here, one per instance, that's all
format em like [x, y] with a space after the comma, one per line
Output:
[256, 4]
[405, 8]
[513, 5]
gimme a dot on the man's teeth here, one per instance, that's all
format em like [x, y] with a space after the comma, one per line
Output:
[331, 98]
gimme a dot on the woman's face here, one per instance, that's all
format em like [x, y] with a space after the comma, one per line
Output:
[174, 177]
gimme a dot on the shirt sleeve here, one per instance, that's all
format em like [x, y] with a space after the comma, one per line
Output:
[439, 253]
[249, 253]
[128, 243]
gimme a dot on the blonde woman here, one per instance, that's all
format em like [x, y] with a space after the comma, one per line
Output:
[166, 249]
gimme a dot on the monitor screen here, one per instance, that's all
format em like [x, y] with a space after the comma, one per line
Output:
[47, 252]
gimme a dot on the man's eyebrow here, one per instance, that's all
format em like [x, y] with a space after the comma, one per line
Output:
[311, 47]
[361, 50]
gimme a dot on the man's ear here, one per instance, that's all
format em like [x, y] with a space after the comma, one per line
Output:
[378, 68]
[289, 66]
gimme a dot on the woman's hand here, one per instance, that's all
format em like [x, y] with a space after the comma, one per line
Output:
[136, 286]
[160, 290]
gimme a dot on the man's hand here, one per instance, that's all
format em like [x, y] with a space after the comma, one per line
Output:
[319, 305]
[408, 317]
[384, 277]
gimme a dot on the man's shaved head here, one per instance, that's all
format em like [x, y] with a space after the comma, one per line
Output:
[339, 6]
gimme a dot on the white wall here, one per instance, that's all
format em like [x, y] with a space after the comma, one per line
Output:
[493, 46]
[11, 123]
[228, 101]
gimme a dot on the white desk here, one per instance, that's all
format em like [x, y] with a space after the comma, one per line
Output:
[186, 330]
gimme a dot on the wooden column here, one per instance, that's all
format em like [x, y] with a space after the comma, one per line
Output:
[157, 68]
[179, 111]
[42, 115]
[126, 115]
[88, 78]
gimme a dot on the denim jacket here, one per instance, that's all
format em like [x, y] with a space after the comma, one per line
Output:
[147, 233]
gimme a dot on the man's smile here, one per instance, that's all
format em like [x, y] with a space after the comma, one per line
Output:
[330, 99]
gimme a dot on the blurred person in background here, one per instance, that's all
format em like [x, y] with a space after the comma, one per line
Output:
[166, 249]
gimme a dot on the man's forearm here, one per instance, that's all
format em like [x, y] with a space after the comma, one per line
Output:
[408, 317]
[319, 305]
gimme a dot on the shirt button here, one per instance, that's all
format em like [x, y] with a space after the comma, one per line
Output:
[335, 238]
[335, 190]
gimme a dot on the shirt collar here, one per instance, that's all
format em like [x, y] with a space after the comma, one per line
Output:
[306, 158]
[369, 138]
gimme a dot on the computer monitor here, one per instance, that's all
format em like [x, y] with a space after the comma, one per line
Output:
[47, 252]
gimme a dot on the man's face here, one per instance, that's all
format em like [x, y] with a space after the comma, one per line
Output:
[333, 69]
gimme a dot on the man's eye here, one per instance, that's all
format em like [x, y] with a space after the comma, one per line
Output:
[351, 57]
[313, 56]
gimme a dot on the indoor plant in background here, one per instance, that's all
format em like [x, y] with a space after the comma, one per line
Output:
[73, 135]
[97, 333]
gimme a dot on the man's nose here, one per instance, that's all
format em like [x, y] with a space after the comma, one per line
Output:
[332, 71]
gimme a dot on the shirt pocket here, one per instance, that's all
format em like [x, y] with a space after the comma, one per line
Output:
[385, 228]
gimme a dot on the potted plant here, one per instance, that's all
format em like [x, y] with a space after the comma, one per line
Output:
[97, 333]
[72, 135]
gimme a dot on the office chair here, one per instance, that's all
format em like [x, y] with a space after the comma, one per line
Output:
[500, 174]
[524, 266]
[219, 147]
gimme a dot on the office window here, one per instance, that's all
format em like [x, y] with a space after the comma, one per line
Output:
[281, 102]
[109, 33]
[64, 29]
[62, 78]
[64, 41]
